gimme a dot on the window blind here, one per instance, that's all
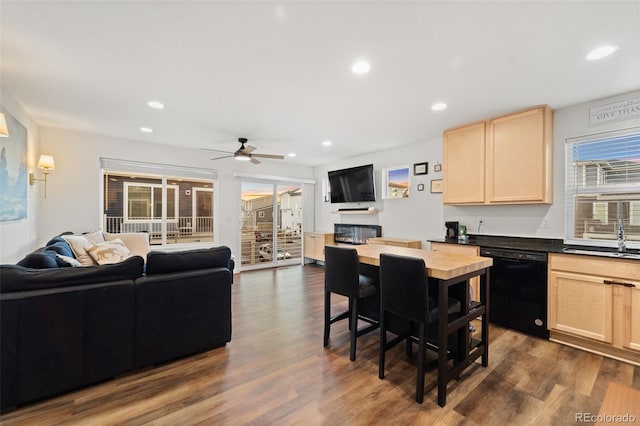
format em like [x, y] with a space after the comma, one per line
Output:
[602, 186]
[155, 169]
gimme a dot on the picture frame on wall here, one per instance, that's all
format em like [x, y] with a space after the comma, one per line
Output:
[437, 168]
[436, 186]
[420, 169]
[396, 181]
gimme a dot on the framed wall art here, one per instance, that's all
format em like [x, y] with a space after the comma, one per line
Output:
[420, 169]
[13, 171]
[436, 186]
[396, 182]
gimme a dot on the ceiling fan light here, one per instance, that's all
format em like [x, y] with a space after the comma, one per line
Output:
[241, 157]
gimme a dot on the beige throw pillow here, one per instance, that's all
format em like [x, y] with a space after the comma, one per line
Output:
[136, 242]
[109, 252]
[79, 245]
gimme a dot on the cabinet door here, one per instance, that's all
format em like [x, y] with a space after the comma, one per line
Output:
[319, 249]
[519, 158]
[632, 321]
[310, 245]
[580, 305]
[463, 157]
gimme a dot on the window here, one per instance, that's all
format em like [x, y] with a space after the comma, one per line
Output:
[143, 201]
[173, 204]
[603, 187]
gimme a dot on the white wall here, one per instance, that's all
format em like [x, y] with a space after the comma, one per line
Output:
[19, 236]
[417, 217]
[73, 191]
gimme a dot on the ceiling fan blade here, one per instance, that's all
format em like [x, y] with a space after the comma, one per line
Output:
[275, 157]
[254, 161]
[248, 149]
[218, 158]
[216, 150]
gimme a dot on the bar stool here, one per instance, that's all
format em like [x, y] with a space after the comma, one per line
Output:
[341, 276]
[404, 292]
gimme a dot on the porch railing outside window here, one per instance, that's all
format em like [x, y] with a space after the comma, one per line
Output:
[174, 207]
[602, 187]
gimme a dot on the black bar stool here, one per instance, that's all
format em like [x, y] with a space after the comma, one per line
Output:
[341, 276]
[404, 292]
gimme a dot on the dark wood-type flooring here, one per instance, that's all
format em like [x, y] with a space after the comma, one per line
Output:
[276, 371]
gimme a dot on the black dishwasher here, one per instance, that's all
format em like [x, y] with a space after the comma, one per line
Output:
[518, 290]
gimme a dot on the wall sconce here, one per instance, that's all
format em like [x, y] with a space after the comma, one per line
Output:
[4, 130]
[47, 164]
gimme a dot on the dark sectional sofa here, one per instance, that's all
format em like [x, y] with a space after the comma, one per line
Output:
[62, 328]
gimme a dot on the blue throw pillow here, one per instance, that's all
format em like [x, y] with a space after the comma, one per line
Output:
[62, 248]
[41, 260]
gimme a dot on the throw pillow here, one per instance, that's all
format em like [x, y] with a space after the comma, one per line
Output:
[69, 261]
[79, 245]
[109, 252]
[95, 236]
[136, 242]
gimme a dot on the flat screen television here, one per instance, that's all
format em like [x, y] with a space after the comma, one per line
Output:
[352, 185]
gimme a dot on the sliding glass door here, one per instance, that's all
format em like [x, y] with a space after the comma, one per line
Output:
[271, 231]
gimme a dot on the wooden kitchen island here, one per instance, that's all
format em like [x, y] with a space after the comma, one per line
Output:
[452, 273]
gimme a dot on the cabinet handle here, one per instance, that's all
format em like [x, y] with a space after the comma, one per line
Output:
[609, 282]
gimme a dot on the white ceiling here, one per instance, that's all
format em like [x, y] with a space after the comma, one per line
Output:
[279, 72]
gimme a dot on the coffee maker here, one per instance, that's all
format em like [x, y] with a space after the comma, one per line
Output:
[452, 230]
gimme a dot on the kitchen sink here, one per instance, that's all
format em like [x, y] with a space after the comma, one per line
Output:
[603, 252]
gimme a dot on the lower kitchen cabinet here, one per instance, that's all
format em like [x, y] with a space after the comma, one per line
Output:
[594, 304]
[314, 243]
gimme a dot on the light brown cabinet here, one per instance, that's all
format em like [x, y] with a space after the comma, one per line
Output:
[504, 160]
[314, 243]
[462, 250]
[397, 242]
[463, 169]
[594, 303]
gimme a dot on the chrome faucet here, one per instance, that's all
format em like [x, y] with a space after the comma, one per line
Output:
[622, 247]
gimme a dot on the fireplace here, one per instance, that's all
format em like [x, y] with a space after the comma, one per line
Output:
[355, 234]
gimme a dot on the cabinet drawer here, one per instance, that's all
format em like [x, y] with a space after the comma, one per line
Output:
[592, 265]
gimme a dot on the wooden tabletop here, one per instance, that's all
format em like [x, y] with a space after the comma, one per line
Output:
[439, 265]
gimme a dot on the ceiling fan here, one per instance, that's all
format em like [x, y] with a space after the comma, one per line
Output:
[245, 153]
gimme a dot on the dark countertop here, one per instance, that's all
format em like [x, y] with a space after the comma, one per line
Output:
[547, 245]
[544, 245]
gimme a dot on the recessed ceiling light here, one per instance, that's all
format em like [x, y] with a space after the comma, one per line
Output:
[155, 105]
[291, 154]
[360, 67]
[439, 106]
[602, 52]
[327, 143]
[146, 129]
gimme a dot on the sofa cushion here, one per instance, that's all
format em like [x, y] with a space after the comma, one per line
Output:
[18, 278]
[60, 247]
[164, 262]
[108, 252]
[68, 260]
[40, 259]
[79, 245]
[136, 242]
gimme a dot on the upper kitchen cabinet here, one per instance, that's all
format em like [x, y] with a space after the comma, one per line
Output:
[519, 158]
[463, 175]
[504, 160]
